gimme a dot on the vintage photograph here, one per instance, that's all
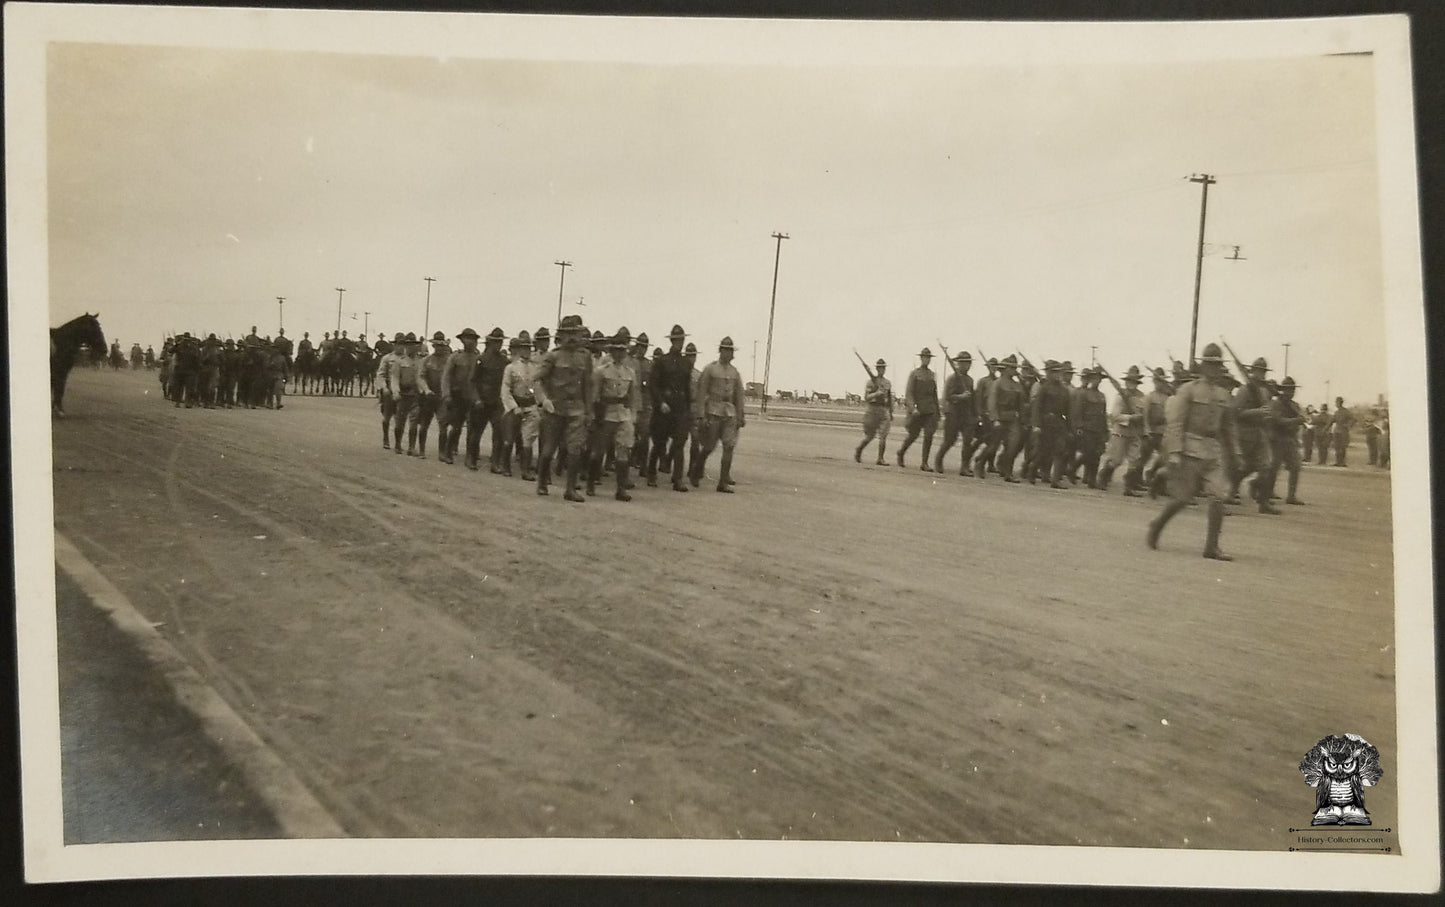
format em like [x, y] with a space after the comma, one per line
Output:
[525, 444]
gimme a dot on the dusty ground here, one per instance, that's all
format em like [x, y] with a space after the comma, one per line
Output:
[835, 652]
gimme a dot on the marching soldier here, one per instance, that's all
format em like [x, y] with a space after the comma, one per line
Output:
[1251, 402]
[878, 418]
[1149, 452]
[459, 394]
[1126, 436]
[719, 407]
[1371, 430]
[670, 387]
[920, 401]
[565, 389]
[486, 411]
[619, 396]
[185, 370]
[982, 427]
[1049, 423]
[1005, 403]
[384, 397]
[642, 366]
[1340, 427]
[406, 386]
[694, 424]
[1321, 422]
[958, 412]
[1308, 433]
[1284, 424]
[209, 373]
[276, 368]
[519, 403]
[430, 397]
[1089, 420]
[1200, 444]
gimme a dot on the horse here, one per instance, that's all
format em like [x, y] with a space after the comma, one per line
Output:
[365, 370]
[306, 372]
[338, 371]
[65, 344]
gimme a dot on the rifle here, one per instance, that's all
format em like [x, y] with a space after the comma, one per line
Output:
[984, 356]
[1243, 372]
[1128, 406]
[864, 363]
[950, 359]
[1027, 363]
[874, 378]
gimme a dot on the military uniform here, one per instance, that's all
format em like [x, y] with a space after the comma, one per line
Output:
[565, 388]
[406, 386]
[920, 401]
[619, 396]
[670, 387]
[1251, 403]
[642, 367]
[719, 407]
[1089, 420]
[459, 394]
[1126, 436]
[1004, 407]
[982, 426]
[519, 404]
[1285, 420]
[1340, 427]
[878, 417]
[428, 403]
[1321, 421]
[1154, 423]
[386, 400]
[959, 414]
[1201, 444]
[1049, 421]
[209, 374]
[185, 371]
[486, 410]
[275, 377]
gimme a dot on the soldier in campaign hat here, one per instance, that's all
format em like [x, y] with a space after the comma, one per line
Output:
[486, 409]
[1252, 414]
[1126, 436]
[959, 415]
[618, 397]
[982, 427]
[719, 409]
[670, 388]
[1201, 445]
[541, 342]
[429, 400]
[459, 394]
[405, 385]
[1049, 424]
[1283, 426]
[386, 398]
[1005, 406]
[521, 420]
[878, 417]
[1150, 455]
[642, 429]
[564, 384]
[920, 402]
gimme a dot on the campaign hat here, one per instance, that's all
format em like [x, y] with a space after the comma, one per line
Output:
[438, 337]
[1259, 364]
[1051, 366]
[963, 357]
[1211, 353]
[467, 332]
[1009, 361]
[1288, 382]
[543, 333]
[1133, 374]
[726, 344]
[880, 364]
[677, 331]
[621, 340]
[642, 338]
[396, 339]
[690, 350]
[497, 335]
[925, 352]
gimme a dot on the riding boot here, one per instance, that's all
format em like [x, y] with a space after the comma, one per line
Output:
[858, 452]
[528, 473]
[421, 442]
[1156, 525]
[938, 462]
[927, 445]
[1211, 540]
[694, 468]
[574, 465]
[1131, 484]
[1291, 497]
[724, 482]
[594, 472]
[882, 449]
[544, 474]
[1104, 477]
[386, 434]
[623, 468]
[411, 439]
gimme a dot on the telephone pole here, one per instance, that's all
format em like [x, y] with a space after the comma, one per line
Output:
[426, 319]
[280, 312]
[339, 291]
[1286, 359]
[1093, 359]
[755, 362]
[365, 323]
[1206, 181]
[564, 265]
[772, 308]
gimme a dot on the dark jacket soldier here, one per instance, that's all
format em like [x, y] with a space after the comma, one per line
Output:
[920, 401]
[1049, 421]
[1005, 407]
[669, 385]
[959, 412]
[564, 387]
[1089, 420]
[1252, 415]
[486, 410]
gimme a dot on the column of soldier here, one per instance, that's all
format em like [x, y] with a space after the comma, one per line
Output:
[590, 405]
[213, 374]
[1200, 432]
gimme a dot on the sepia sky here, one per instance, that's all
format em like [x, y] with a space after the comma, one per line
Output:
[1042, 208]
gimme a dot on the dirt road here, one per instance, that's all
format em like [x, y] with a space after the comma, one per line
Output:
[835, 652]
